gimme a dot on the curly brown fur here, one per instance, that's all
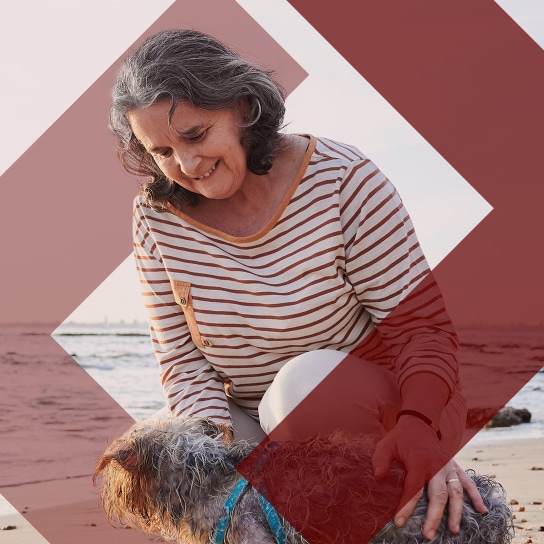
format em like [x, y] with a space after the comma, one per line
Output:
[172, 477]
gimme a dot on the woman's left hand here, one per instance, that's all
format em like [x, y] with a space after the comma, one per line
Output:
[416, 445]
[446, 487]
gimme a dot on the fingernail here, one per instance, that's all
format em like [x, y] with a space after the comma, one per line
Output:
[399, 522]
[432, 534]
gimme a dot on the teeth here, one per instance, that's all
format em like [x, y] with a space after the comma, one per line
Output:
[208, 173]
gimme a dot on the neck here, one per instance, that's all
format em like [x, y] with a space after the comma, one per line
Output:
[259, 198]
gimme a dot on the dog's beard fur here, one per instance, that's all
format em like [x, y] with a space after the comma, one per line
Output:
[172, 477]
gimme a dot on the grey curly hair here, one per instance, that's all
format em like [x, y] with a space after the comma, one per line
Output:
[187, 65]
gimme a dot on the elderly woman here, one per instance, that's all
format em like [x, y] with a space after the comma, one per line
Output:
[268, 259]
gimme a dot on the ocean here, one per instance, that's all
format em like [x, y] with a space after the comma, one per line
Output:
[119, 357]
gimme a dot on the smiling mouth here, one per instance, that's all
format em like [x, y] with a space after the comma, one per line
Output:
[208, 173]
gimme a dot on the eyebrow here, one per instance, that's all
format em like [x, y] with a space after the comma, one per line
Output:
[191, 131]
[155, 150]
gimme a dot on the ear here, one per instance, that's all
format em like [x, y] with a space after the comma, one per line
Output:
[128, 458]
[120, 451]
[244, 109]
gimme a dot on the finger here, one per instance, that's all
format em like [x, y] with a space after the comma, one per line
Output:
[437, 493]
[411, 493]
[406, 511]
[455, 503]
[472, 491]
[381, 459]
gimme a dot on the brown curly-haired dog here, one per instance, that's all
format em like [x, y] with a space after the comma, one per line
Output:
[173, 476]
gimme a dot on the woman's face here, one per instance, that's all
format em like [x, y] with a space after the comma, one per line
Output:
[201, 150]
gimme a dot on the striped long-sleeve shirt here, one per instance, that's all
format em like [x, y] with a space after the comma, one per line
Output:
[226, 313]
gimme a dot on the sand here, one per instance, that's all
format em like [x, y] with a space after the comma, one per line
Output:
[55, 421]
[518, 465]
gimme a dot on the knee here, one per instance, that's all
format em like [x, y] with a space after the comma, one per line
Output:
[295, 380]
[353, 390]
[305, 371]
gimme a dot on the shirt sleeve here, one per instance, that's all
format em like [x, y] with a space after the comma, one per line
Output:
[192, 387]
[392, 280]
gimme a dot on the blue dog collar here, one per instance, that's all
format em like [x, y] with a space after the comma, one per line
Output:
[229, 505]
[273, 520]
[269, 511]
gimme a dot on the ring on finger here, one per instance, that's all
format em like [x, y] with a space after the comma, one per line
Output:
[452, 480]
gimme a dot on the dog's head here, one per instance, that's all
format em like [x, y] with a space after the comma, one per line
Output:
[161, 472]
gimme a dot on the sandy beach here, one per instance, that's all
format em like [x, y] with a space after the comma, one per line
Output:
[55, 421]
[518, 465]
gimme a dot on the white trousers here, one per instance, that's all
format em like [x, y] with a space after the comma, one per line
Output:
[366, 400]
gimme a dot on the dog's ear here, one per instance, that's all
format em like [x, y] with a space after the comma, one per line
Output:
[128, 458]
[122, 452]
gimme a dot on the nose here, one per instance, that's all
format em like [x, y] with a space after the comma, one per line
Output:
[188, 160]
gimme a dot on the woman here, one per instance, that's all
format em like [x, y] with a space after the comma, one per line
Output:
[266, 258]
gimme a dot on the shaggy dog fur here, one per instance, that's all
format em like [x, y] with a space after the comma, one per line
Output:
[172, 477]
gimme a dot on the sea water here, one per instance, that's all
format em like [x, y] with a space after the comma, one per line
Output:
[120, 358]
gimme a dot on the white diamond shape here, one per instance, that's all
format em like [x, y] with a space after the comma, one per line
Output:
[335, 101]
[528, 14]
[52, 51]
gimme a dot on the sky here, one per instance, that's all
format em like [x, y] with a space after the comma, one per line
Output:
[334, 101]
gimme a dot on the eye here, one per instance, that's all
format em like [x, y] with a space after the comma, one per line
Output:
[162, 154]
[197, 137]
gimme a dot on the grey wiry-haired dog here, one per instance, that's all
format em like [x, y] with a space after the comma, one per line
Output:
[174, 477]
